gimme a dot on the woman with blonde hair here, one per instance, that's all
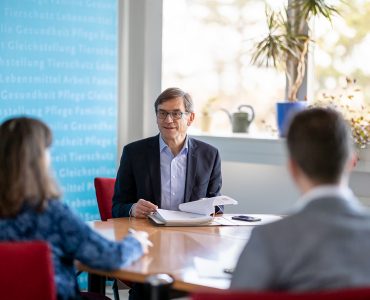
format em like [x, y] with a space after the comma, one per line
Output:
[30, 210]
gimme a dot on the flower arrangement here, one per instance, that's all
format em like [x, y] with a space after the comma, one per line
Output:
[348, 101]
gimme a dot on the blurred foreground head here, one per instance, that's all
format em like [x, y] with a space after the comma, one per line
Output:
[320, 143]
[24, 165]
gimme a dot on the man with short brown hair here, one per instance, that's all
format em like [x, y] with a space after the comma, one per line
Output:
[325, 243]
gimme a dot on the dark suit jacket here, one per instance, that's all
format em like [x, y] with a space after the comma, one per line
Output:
[139, 174]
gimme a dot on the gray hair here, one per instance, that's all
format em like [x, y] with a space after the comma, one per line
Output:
[172, 93]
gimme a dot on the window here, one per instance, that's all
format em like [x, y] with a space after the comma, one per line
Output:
[342, 49]
[207, 51]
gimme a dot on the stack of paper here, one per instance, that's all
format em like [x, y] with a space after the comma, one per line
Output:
[193, 213]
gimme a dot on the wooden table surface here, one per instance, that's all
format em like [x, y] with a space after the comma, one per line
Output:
[174, 251]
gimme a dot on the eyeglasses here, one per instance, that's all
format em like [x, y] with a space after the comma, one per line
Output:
[175, 115]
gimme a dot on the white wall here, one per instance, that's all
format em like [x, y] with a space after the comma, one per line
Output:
[140, 57]
[258, 188]
[261, 188]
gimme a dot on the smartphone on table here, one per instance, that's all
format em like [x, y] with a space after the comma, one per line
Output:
[246, 218]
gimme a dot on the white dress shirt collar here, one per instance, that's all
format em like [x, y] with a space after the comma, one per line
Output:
[324, 191]
[163, 145]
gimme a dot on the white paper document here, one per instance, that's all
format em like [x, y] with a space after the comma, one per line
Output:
[172, 217]
[206, 206]
[226, 219]
[178, 218]
[195, 213]
[211, 269]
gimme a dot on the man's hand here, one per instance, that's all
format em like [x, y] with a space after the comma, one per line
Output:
[143, 208]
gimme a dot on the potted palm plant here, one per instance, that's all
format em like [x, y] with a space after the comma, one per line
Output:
[286, 46]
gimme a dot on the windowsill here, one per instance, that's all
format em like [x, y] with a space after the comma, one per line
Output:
[262, 149]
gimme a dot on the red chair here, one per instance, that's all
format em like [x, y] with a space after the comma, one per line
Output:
[362, 293]
[29, 263]
[104, 189]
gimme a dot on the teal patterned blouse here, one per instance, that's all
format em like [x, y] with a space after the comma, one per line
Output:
[70, 238]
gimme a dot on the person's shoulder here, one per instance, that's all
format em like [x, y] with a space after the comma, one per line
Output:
[57, 207]
[143, 143]
[62, 213]
[287, 224]
[202, 145]
[54, 211]
[55, 204]
[291, 229]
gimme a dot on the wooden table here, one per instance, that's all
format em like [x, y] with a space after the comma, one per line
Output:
[174, 251]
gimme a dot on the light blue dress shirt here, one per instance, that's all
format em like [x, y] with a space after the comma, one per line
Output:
[173, 175]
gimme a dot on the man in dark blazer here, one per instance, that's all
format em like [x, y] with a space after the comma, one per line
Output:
[325, 243]
[168, 169]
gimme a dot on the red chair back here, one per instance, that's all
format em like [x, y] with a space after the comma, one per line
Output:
[104, 188]
[26, 271]
[362, 293]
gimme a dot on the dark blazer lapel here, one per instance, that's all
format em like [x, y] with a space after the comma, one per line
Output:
[154, 168]
[191, 169]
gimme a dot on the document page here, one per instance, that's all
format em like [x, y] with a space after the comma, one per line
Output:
[227, 220]
[210, 268]
[179, 217]
[206, 206]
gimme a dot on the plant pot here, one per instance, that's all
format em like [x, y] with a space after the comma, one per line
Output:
[285, 111]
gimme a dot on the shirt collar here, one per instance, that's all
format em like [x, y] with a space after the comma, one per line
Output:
[163, 145]
[324, 191]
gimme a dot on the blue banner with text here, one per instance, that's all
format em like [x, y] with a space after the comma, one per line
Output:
[58, 62]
